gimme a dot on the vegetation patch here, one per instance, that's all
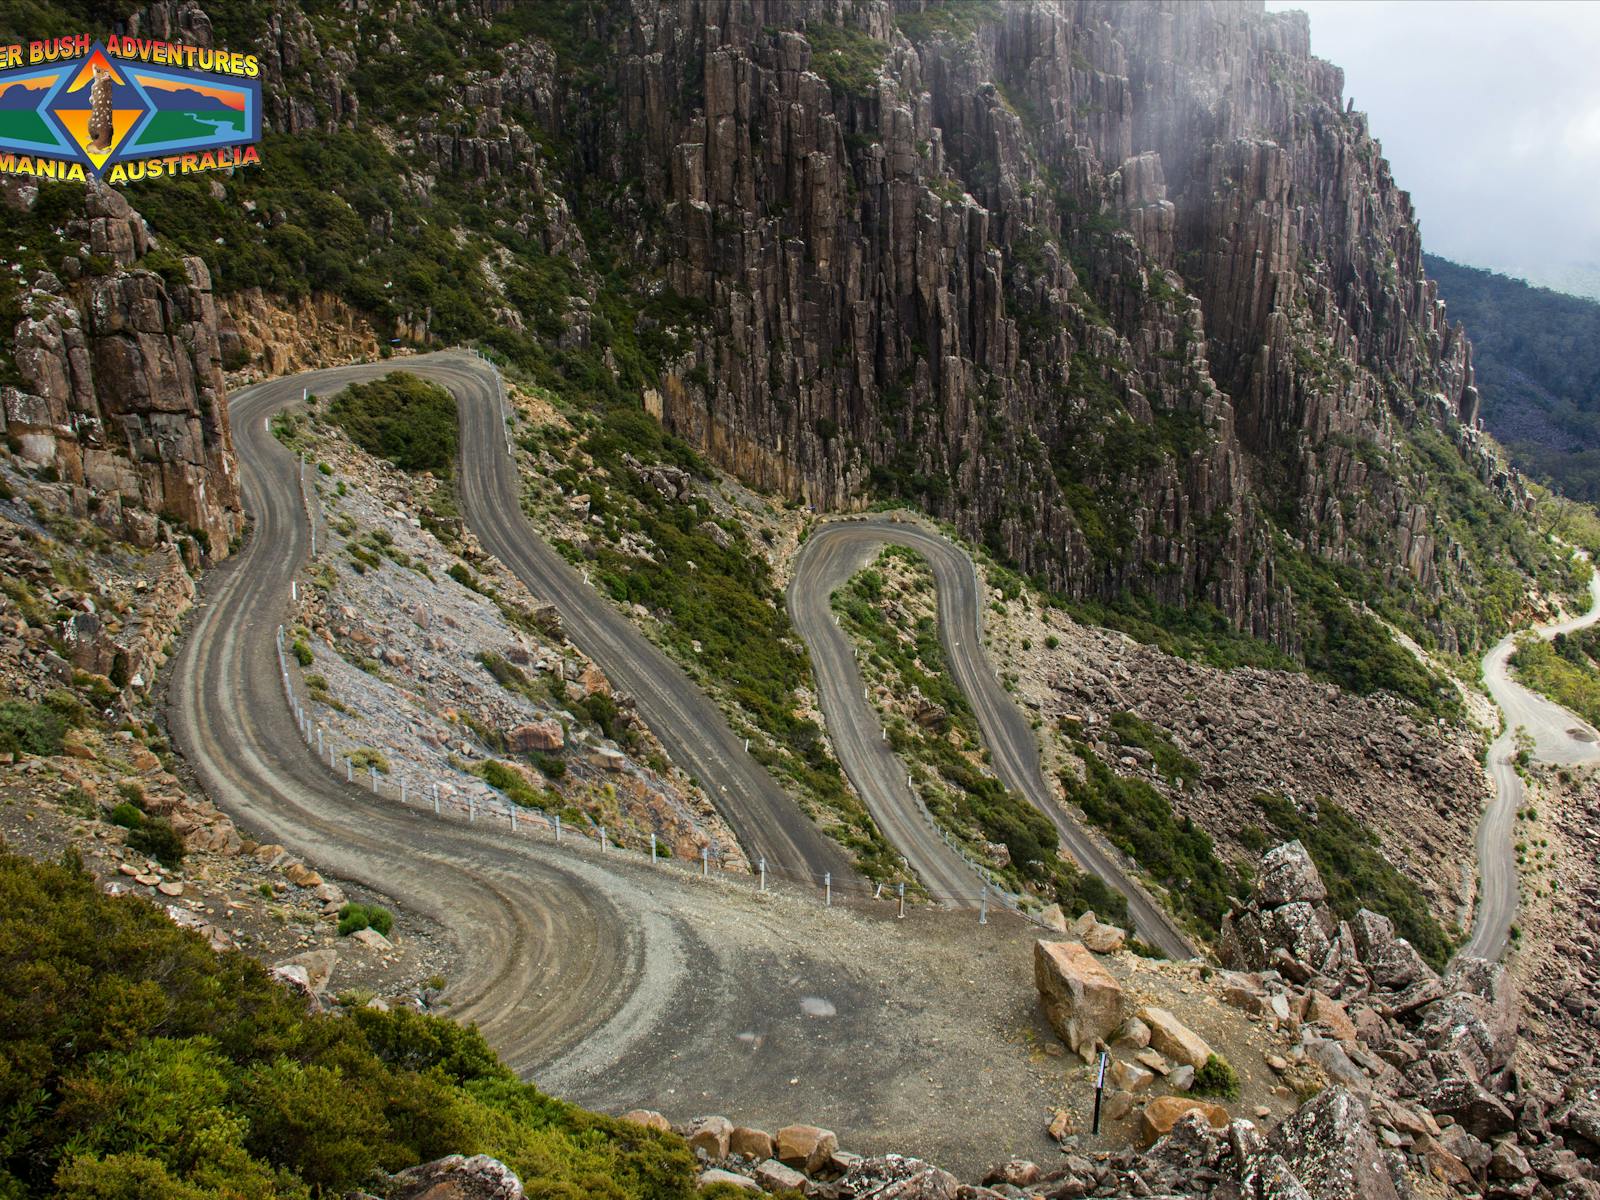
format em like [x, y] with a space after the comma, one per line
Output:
[30, 728]
[1216, 1078]
[1357, 875]
[1177, 766]
[1566, 668]
[847, 58]
[1173, 851]
[140, 1063]
[503, 777]
[355, 917]
[406, 420]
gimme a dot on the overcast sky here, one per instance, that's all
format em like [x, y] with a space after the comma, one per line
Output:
[1489, 114]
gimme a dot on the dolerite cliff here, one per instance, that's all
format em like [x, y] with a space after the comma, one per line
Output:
[1125, 291]
[1099, 282]
[121, 394]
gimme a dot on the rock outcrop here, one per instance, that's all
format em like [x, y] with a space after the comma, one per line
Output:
[973, 269]
[1082, 1000]
[121, 394]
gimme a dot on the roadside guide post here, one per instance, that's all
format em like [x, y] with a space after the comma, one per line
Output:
[1099, 1091]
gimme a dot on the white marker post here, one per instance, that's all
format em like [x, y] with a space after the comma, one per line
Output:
[1099, 1091]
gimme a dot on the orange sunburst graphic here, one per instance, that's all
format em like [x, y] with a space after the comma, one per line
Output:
[97, 59]
[77, 126]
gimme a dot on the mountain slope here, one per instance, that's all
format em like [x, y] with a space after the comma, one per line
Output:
[1537, 354]
[1124, 292]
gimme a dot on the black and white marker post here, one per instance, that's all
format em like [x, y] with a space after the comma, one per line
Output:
[1099, 1091]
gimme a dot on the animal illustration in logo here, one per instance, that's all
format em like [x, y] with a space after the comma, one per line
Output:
[101, 123]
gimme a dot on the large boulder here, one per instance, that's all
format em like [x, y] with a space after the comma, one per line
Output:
[750, 1143]
[805, 1147]
[1392, 963]
[1482, 995]
[1096, 935]
[1287, 875]
[1162, 1113]
[540, 736]
[1174, 1039]
[1244, 945]
[1297, 927]
[1081, 999]
[457, 1178]
[1331, 1015]
[773, 1176]
[710, 1135]
[1330, 1147]
[1471, 1106]
[318, 966]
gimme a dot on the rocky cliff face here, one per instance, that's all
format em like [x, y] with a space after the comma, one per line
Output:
[1099, 282]
[1124, 291]
[121, 395]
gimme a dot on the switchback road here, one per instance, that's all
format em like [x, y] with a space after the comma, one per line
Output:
[607, 981]
[766, 821]
[832, 553]
[1558, 737]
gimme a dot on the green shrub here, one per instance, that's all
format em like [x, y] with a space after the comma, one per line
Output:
[364, 757]
[512, 782]
[1170, 761]
[157, 839]
[127, 815]
[302, 652]
[1216, 1078]
[1175, 852]
[355, 917]
[400, 417]
[140, 1065]
[30, 728]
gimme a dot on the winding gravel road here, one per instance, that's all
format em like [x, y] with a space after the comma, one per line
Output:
[1560, 737]
[610, 982]
[832, 553]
